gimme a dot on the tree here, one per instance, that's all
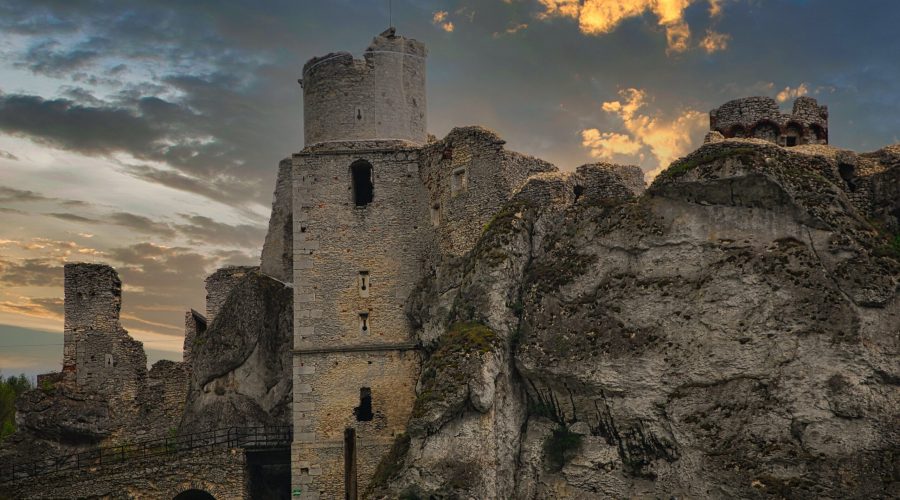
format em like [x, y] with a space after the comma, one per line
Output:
[10, 389]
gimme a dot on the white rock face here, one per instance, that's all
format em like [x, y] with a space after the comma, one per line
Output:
[731, 333]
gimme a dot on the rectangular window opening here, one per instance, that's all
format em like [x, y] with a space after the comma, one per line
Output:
[363, 412]
[363, 283]
[364, 323]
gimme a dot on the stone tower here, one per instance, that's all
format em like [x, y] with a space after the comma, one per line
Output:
[360, 229]
[760, 118]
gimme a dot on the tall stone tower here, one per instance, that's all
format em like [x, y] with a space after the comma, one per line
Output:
[360, 229]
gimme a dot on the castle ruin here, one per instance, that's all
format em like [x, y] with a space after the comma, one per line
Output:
[368, 208]
[374, 206]
[760, 118]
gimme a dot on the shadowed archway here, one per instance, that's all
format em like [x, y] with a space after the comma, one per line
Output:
[194, 495]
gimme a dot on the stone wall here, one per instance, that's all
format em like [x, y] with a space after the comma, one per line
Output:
[219, 472]
[93, 299]
[354, 267]
[277, 254]
[194, 325]
[166, 390]
[761, 118]
[219, 284]
[381, 96]
[469, 176]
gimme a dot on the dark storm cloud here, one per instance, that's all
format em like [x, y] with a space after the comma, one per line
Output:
[66, 124]
[47, 58]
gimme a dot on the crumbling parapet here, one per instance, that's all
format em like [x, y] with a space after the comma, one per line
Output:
[277, 258]
[194, 325]
[470, 175]
[219, 284]
[381, 96]
[761, 118]
[93, 299]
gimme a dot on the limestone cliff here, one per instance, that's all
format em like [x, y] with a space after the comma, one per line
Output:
[242, 362]
[732, 332]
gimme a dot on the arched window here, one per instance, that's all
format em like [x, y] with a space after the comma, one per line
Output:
[361, 183]
[767, 131]
[736, 131]
[194, 495]
[793, 134]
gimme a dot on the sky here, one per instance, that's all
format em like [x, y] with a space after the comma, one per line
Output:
[146, 134]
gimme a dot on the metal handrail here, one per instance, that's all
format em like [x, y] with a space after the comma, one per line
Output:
[251, 438]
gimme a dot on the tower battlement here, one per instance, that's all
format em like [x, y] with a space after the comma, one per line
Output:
[761, 118]
[378, 97]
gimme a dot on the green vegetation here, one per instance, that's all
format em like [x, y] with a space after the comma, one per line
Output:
[445, 369]
[890, 249]
[692, 162]
[560, 446]
[10, 389]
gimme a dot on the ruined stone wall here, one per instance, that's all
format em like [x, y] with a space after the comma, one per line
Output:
[469, 176]
[390, 375]
[194, 325]
[219, 284]
[112, 364]
[354, 267]
[93, 299]
[761, 118]
[277, 254]
[221, 473]
[166, 390]
[599, 182]
[381, 96]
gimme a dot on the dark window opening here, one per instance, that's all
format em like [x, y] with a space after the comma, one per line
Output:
[447, 154]
[848, 173]
[363, 190]
[579, 190]
[790, 141]
[364, 280]
[363, 412]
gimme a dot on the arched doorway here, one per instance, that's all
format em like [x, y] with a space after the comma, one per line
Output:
[194, 495]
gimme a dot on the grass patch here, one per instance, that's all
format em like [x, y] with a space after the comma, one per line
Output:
[692, 162]
[890, 249]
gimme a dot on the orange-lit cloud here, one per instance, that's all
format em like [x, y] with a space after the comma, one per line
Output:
[664, 139]
[440, 19]
[597, 17]
[791, 92]
[714, 42]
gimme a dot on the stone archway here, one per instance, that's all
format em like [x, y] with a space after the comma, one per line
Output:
[194, 494]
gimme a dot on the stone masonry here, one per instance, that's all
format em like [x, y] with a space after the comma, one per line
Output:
[374, 208]
[760, 118]
[218, 285]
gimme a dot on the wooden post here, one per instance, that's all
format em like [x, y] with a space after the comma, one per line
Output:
[350, 463]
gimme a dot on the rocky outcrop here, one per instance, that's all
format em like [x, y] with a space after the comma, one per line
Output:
[242, 362]
[732, 332]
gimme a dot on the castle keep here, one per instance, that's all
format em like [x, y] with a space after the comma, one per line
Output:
[760, 118]
[374, 206]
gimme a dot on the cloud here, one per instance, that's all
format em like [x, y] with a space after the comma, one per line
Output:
[39, 307]
[440, 18]
[714, 42]
[204, 229]
[31, 272]
[599, 17]
[664, 139]
[11, 195]
[44, 58]
[511, 30]
[72, 218]
[8, 156]
[789, 92]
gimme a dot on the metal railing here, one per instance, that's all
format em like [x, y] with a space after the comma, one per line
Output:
[248, 438]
